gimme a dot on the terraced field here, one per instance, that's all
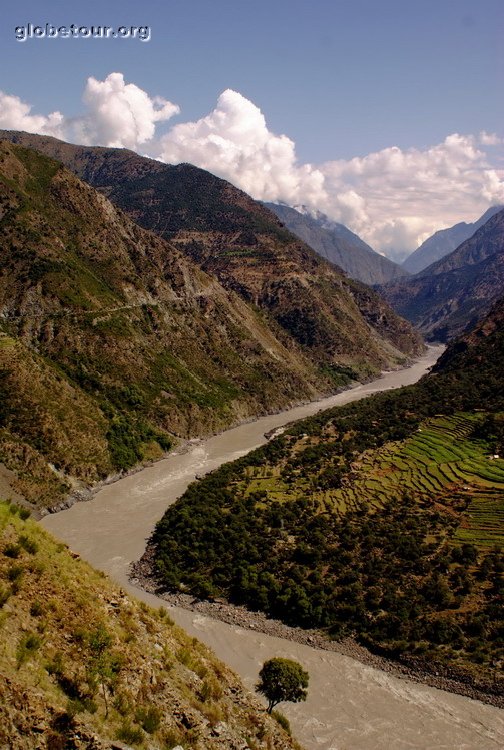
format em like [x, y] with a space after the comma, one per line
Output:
[440, 464]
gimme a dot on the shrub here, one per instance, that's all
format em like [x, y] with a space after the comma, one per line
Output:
[210, 690]
[130, 734]
[213, 712]
[55, 665]
[12, 550]
[30, 545]
[27, 645]
[15, 572]
[163, 615]
[4, 596]
[79, 705]
[149, 718]
[122, 704]
[186, 657]
[172, 738]
[36, 609]
[282, 720]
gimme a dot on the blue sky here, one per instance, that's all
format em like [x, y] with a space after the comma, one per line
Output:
[340, 79]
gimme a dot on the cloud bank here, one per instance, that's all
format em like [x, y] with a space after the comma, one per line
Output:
[394, 198]
[118, 114]
[234, 142]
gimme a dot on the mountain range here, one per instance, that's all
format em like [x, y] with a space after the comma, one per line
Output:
[452, 294]
[241, 243]
[444, 242]
[338, 244]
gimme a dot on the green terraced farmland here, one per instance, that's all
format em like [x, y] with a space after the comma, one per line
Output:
[483, 524]
[440, 463]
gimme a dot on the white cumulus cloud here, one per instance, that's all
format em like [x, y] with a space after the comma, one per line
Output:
[394, 198]
[234, 142]
[16, 115]
[490, 139]
[117, 114]
[120, 114]
[408, 194]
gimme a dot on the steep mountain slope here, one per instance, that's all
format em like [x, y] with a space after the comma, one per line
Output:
[137, 341]
[444, 242]
[452, 294]
[238, 241]
[481, 347]
[337, 244]
[382, 520]
[84, 666]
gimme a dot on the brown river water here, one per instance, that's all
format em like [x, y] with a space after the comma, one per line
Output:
[350, 706]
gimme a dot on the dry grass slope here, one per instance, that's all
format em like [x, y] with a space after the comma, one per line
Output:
[83, 665]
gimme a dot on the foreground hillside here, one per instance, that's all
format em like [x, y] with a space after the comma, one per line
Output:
[451, 295]
[83, 666]
[112, 341]
[381, 520]
[337, 244]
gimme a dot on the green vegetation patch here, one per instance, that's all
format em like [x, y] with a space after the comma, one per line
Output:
[381, 520]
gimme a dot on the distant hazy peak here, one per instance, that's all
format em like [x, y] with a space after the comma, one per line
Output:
[337, 244]
[444, 241]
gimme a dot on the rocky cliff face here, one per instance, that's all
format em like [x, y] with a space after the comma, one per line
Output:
[113, 341]
[240, 242]
[337, 244]
[451, 295]
[483, 345]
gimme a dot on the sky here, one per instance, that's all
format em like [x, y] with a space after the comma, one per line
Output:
[387, 116]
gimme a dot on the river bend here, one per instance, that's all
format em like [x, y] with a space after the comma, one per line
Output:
[350, 706]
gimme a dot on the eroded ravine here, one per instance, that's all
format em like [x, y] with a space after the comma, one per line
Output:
[350, 705]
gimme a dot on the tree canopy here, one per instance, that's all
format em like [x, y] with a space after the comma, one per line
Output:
[282, 680]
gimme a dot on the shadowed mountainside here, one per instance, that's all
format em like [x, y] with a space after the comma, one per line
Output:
[451, 295]
[443, 242]
[337, 244]
[241, 243]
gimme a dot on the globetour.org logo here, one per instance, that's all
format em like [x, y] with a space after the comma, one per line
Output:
[74, 31]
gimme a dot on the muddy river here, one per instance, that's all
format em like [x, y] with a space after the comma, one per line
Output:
[350, 705]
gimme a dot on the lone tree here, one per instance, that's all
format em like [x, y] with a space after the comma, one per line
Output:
[282, 680]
